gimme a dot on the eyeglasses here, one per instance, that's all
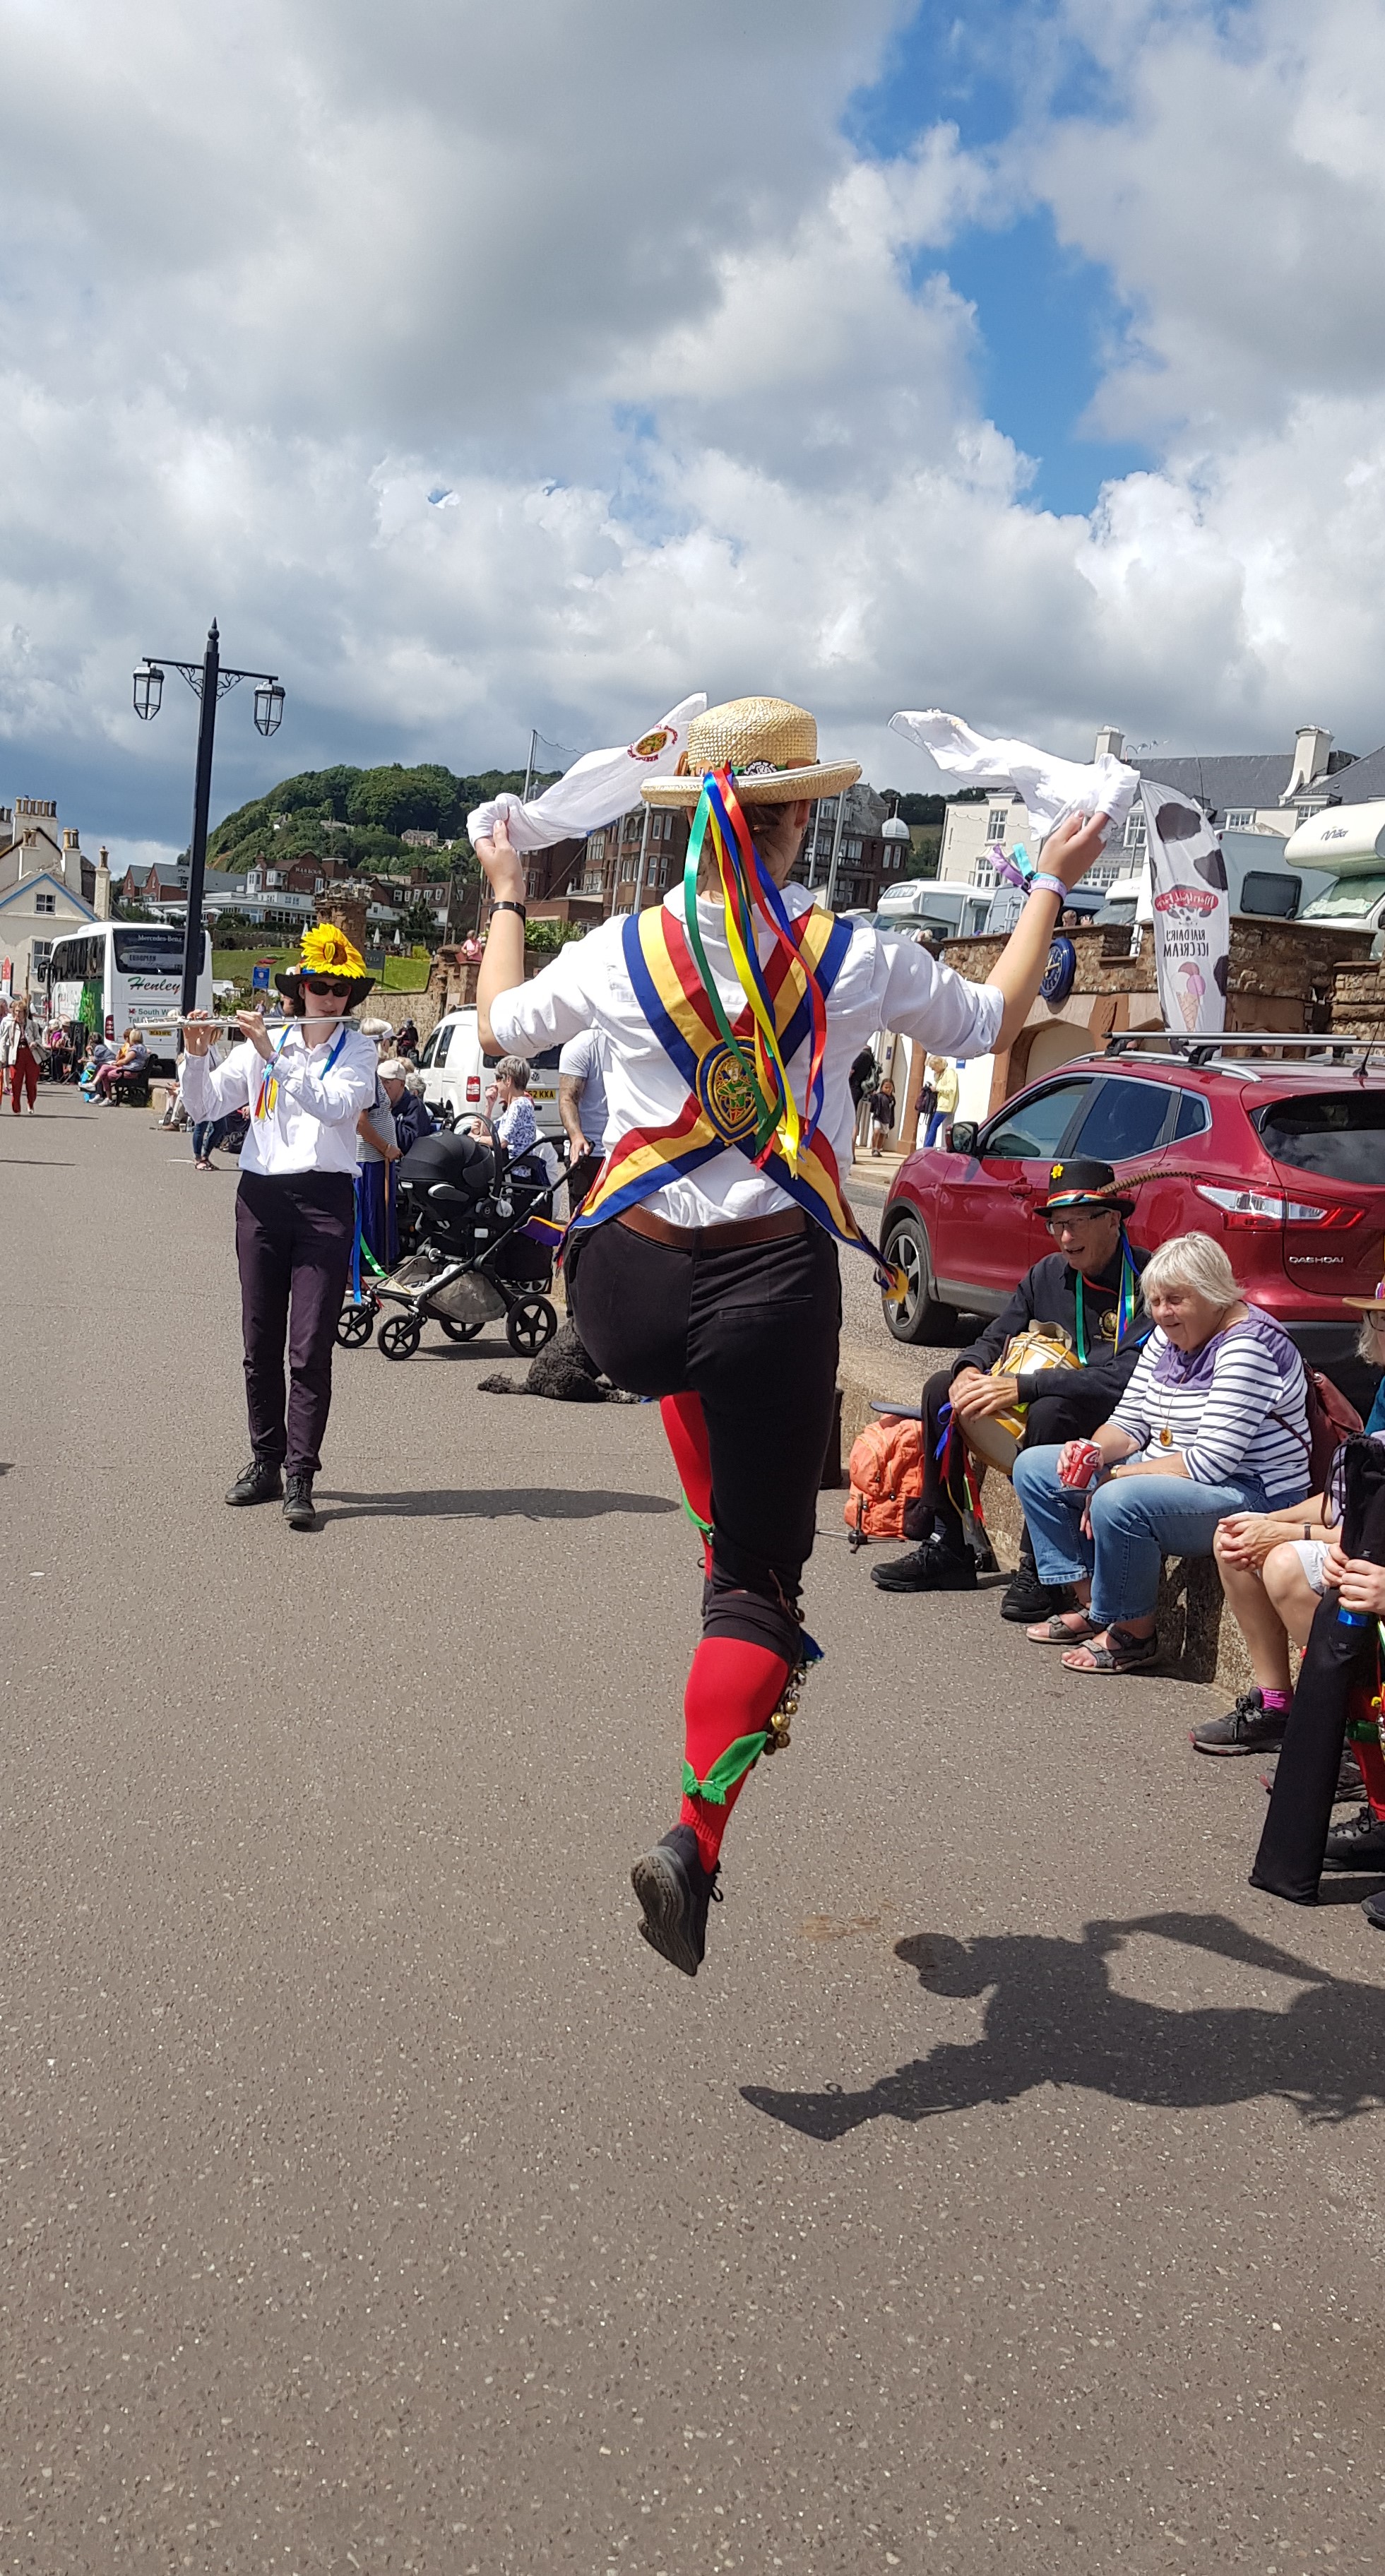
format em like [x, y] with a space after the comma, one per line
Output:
[323, 984]
[1377, 1322]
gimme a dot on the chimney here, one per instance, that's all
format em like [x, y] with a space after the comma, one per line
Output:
[1311, 747]
[72, 860]
[1109, 738]
[102, 897]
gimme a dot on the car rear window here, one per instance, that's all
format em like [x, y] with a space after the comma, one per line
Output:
[1338, 1134]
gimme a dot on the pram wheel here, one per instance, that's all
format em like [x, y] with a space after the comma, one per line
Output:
[355, 1324]
[400, 1337]
[530, 1323]
[458, 1332]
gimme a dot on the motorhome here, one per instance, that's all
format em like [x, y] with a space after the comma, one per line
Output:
[1344, 847]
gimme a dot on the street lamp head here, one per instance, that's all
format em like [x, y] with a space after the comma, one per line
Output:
[149, 689]
[269, 707]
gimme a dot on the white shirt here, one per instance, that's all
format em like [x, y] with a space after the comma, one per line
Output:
[584, 1061]
[312, 1126]
[884, 983]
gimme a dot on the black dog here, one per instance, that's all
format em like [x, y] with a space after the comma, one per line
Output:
[563, 1371]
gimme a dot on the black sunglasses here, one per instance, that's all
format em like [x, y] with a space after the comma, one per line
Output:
[324, 984]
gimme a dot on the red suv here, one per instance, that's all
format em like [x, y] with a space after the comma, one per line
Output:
[1283, 1160]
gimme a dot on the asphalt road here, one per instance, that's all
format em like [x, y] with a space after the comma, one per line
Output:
[1005, 2194]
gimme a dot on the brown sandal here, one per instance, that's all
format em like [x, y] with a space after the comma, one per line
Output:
[1059, 1630]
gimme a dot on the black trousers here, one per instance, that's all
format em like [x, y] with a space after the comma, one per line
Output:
[1073, 1414]
[753, 1333]
[293, 1241]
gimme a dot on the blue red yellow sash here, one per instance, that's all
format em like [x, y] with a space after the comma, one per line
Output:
[722, 1111]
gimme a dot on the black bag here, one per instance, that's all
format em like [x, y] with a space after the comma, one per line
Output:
[1339, 1658]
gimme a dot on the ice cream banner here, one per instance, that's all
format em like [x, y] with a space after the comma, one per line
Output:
[598, 787]
[1192, 915]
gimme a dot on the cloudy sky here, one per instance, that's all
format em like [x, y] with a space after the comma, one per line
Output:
[484, 367]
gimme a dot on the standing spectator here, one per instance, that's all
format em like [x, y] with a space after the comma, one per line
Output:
[944, 1110]
[583, 1110]
[17, 1056]
[58, 1045]
[207, 1133]
[882, 1117]
[376, 1154]
[927, 1102]
[860, 1082]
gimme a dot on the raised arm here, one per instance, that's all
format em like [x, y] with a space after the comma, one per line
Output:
[502, 966]
[1018, 970]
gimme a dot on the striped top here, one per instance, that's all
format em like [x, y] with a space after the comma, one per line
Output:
[1237, 1407]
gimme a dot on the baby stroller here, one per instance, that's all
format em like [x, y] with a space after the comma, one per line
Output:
[464, 1209]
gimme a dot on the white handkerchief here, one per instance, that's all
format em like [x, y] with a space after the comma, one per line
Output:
[598, 787]
[1051, 788]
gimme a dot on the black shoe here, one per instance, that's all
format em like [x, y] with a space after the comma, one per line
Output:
[258, 1483]
[1249, 1727]
[675, 1891]
[1358, 1844]
[933, 1568]
[298, 1502]
[1026, 1600]
[1374, 1912]
[1350, 1785]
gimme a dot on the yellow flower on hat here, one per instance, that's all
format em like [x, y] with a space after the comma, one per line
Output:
[327, 951]
[1057, 1172]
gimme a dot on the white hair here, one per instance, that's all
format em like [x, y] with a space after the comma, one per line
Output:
[1193, 1261]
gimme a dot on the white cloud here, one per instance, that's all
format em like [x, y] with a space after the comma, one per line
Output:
[684, 372]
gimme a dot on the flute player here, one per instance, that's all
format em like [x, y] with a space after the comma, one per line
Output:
[305, 1086]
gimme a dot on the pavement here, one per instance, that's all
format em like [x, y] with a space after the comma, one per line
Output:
[1003, 2196]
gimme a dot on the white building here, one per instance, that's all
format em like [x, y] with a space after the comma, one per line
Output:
[41, 889]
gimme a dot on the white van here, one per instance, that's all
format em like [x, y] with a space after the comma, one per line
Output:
[1348, 841]
[457, 1075]
[119, 975]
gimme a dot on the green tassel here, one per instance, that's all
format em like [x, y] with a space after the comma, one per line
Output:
[696, 1517]
[728, 1768]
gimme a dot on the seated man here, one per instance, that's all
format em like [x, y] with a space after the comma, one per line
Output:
[1080, 1287]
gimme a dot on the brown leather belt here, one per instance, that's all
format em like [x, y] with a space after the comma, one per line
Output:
[714, 1238]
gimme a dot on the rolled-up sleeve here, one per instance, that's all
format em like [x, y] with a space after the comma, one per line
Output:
[209, 1090]
[932, 1003]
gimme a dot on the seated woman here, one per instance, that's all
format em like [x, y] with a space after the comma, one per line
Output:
[1214, 1421]
[126, 1066]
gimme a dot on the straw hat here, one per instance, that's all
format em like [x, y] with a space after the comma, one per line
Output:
[1369, 1305]
[770, 748]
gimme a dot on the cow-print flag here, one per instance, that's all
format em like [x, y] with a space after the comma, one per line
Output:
[1192, 913]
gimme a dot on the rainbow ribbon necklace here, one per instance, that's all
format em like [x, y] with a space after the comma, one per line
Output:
[1126, 1301]
[267, 1097]
[746, 890]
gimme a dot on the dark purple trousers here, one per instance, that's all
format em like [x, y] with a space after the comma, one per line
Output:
[293, 1241]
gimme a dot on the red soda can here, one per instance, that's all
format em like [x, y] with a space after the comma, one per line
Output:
[1082, 1463]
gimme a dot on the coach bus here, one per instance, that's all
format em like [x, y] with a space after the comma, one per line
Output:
[120, 975]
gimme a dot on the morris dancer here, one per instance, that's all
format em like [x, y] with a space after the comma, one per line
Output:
[703, 1267]
[296, 1204]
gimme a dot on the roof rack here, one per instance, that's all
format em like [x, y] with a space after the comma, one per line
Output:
[1286, 1045]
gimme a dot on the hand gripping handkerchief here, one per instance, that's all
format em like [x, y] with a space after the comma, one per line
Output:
[598, 787]
[1051, 788]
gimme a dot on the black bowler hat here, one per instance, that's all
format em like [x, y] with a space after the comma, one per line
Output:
[1083, 1183]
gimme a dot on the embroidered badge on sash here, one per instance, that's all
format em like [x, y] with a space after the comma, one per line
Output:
[726, 1095]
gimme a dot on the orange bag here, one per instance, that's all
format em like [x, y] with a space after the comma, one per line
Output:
[886, 1472]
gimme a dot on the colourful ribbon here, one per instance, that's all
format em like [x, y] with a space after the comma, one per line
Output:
[746, 889]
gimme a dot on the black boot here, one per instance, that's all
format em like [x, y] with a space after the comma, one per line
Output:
[675, 1891]
[298, 1501]
[932, 1568]
[1026, 1600]
[257, 1483]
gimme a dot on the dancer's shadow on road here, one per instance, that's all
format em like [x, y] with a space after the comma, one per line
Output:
[1053, 2017]
[519, 1502]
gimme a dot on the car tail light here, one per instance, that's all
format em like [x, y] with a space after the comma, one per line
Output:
[473, 1086]
[1248, 1208]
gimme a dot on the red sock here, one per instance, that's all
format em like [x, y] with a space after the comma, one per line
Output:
[686, 1432]
[732, 1688]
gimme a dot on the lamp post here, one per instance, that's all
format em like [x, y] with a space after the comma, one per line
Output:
[209, 681]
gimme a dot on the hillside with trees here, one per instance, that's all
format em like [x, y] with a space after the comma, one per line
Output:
[360, 814]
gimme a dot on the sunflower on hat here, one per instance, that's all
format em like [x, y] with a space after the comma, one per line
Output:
[325, 950]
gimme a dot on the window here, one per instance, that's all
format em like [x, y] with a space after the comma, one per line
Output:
[1033, 1129]
[429, 1049]
[1338, 1135]
[39, 956]
[983, 875]
[45, 903]
[1125, 1119]
[1271, 893]
[444, 1037]
[1135, 827]
[1303, 812]
[853, 849]
[1194, 1116]
[1239, 818]
[151, 952]
[997, 823]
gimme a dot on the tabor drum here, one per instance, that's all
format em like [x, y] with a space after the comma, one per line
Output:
[996, 1437]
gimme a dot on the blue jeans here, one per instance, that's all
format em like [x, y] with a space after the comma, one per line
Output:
[936, 1125]
[1136, 1523]
[207, 1134]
